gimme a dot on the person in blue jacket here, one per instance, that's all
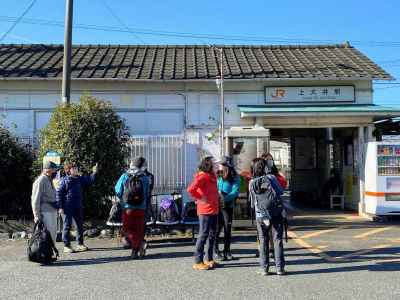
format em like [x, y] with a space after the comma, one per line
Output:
[70, 204]
[133, 216]
[228, 188]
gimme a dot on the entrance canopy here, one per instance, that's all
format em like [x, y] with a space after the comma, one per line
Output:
[345, 115]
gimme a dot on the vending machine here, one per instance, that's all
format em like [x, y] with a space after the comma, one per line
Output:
[382, 178]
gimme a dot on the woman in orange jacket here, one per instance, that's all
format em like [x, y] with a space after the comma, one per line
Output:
[205, 192]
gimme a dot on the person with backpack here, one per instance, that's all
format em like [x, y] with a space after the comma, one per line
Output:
[43, 199]
[132, 189]
[70, 203]
[265, 198]
[228, 188]
[205, 192]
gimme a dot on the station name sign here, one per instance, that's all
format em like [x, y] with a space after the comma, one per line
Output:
[306, 94]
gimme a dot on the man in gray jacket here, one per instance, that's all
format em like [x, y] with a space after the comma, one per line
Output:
[43, 198]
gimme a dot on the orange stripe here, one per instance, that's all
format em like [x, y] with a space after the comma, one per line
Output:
[380, 194]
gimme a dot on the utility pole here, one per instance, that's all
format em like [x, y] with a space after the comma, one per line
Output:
[222, 103]
[66, 79]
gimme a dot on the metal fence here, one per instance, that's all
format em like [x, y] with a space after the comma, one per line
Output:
[166, 159]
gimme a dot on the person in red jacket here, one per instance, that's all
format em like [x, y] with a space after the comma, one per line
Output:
[205, 192]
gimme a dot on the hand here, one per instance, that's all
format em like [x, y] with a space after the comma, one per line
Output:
[61, 211]
[35, 219]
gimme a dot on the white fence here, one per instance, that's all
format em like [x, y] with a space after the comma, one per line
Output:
[168, 158]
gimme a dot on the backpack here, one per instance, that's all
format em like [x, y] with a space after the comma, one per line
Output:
[133, 190]
[168, 211]
[41, 247]
[268, 201]
[190, 212]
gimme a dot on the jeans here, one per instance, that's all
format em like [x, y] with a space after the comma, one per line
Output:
[225, 222]
[276, 226]
[77, 215]
[207, 231]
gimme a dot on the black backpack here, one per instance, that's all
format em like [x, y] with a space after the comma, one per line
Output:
[190, 212]
[41, 247]
[268, 202]
[133, 190]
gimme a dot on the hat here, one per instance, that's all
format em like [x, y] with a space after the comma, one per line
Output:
[227, 161]
[49, 165]
[138, 162]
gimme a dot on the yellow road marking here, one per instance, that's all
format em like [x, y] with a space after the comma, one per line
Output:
[311, 248]
[322, 247]
[371, 232]
[320, 232]
[366, 251]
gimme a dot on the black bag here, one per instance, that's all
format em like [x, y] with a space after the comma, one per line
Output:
[133, 190]
[190, 212]
[115, 217]
[41, 247]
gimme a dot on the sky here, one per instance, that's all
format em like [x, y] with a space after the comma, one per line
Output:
[371, 26]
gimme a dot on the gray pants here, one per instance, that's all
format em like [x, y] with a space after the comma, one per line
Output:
[276, 226]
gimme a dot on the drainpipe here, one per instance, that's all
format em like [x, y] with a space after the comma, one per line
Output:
[185, 105]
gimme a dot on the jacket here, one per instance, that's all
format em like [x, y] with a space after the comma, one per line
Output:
[69, 193]
[257, 188]
[205, 185]
[119, 189]
[43, 197]
[230, 190]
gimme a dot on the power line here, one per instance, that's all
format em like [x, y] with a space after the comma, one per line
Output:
[17, 20]
[119, 20]
[242, 38]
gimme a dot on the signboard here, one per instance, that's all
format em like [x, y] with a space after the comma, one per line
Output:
[307, 94]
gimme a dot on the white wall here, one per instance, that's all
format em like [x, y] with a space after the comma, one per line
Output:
[132, 99]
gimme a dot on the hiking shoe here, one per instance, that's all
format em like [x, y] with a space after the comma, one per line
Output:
[134, 254]
[142, 250]
[263, 272]
[201, 267]
[212, 264]
[229, 256]
[281, 272]
[220, 256]
[68, 249]
[81, 248]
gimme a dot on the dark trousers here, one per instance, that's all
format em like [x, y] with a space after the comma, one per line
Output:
[225, 222]
[207, 231]
[263, 231]
[77, 215]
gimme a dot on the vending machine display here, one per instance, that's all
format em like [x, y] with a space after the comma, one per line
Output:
[388, 160]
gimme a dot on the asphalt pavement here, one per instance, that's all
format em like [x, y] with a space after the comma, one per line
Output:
[329, 256]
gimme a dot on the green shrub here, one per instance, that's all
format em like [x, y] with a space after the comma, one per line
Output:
[87, 133]
[15, 175]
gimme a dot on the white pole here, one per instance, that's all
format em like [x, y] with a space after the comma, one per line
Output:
[222, 105]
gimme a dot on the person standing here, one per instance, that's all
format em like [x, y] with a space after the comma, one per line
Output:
[205, 192]
[43, 199]
[266, 201]
[70, 203]
[228, 188]
[132, 189]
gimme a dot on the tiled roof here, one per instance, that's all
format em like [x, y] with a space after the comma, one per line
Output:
[185, 62]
